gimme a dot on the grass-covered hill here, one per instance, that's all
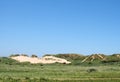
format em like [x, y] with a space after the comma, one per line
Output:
[6, 60]
[94, 68]
[75, 59]
[93, 59]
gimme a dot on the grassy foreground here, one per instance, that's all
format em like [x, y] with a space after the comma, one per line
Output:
[58, 73]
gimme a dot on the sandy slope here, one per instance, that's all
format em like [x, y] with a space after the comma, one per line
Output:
[44, 60]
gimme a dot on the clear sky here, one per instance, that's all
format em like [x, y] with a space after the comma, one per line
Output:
[59, 26]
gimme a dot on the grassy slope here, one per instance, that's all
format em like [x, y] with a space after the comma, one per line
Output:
[60, 72]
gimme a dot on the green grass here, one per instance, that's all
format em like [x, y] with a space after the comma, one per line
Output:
[13, 71]
[58, 73]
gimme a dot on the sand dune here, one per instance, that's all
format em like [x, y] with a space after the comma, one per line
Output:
[43, 60]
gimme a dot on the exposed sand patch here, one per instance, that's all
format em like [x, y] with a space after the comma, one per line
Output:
[43, 60]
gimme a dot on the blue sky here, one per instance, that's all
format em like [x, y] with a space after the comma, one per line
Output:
[59, 26]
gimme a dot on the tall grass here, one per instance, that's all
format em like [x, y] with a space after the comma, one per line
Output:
[48, 80]
[59, 73]
[12, 71]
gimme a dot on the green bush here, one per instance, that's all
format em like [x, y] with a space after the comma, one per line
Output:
[91, 70]
[9, 61]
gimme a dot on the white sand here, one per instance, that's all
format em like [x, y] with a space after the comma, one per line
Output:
[44, 60]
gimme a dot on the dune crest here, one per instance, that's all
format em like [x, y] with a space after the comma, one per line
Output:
[43, 60]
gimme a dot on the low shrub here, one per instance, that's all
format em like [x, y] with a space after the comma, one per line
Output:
[91, 70]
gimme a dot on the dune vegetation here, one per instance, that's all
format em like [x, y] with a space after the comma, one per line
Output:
[92, 69]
